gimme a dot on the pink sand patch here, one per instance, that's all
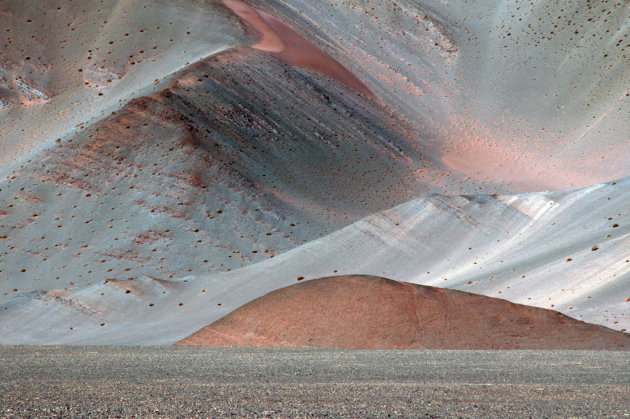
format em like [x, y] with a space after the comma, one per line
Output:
[523, 163]
[189, 80]
[524, 171]
[288, 46]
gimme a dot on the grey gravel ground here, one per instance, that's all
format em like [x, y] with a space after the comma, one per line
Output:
[84, 381]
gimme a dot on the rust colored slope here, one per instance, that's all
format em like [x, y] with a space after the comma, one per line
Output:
[288, 46]
[366, 312]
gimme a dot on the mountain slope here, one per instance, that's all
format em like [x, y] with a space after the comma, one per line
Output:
[555, 250]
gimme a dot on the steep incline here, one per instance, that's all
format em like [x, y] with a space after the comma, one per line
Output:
[534, 95]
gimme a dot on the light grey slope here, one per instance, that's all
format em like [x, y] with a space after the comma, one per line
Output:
[64, 65]
[511, 247]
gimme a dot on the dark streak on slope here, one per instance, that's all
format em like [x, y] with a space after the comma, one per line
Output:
[241, 159]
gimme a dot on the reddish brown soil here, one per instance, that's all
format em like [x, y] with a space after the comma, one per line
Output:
[288, 46]
[366, 312]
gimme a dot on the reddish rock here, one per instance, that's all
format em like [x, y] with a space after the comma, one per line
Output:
[366, 312]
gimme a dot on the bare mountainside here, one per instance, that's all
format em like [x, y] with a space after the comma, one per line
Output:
[556, 250]
[164, 163]
[531, 94]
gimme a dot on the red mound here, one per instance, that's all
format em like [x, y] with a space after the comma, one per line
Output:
[366, 312]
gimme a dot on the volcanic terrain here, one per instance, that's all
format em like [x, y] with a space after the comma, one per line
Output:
[166, 163]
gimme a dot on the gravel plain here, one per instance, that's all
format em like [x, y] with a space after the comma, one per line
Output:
[56, 381]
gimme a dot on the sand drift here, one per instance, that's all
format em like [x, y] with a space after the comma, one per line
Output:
[165, 163]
